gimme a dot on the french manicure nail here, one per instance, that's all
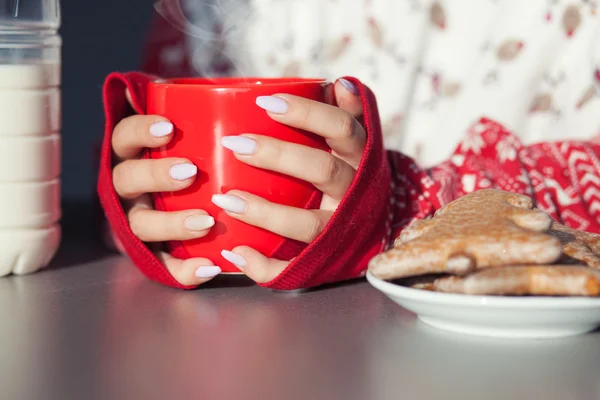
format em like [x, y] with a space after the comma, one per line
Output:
[351, 87]
[207, 272]
[199, 222]
[160, 129]
[272, 104]
[235, 259]
[230, 203]
[239, 144]
[181, 172]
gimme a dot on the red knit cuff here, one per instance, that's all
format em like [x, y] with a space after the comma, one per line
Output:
[116, 108]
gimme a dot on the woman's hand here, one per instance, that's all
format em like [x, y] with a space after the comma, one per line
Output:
[134, 179]
[330, 173]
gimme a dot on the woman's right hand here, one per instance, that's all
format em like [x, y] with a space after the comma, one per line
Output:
[135, 178]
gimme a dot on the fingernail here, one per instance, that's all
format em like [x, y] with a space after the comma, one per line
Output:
[235, 259]
[239, 144]
[207, 272]
[230, 203]
[199, 222]
[181, 172]
[160, 129]
[273, 104]
[351, 87]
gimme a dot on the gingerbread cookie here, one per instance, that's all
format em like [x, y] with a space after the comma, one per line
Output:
[487, 228]
[424, 286]
[578, 246]
[546, 280]
[424, 282]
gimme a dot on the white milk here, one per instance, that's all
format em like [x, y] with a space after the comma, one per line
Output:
[30, 113]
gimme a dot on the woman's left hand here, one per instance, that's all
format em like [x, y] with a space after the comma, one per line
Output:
[330, 173]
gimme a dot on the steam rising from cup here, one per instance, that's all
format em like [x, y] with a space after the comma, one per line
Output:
[214, 30]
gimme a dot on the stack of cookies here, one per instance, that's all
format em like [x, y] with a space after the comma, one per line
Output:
[493, 242]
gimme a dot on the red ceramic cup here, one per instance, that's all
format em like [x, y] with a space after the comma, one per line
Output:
[204, 111]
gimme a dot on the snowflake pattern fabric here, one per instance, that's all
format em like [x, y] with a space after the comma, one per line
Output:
[563, 178]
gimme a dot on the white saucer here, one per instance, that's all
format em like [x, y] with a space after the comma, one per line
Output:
[497, 316]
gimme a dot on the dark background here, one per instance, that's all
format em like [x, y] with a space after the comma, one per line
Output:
[99, 36]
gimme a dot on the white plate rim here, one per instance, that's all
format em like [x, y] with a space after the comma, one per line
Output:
[447, 299]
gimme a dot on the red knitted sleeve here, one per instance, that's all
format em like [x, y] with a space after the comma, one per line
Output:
[563, 178]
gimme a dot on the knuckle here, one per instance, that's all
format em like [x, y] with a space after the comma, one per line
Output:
[173, 225]
[141, 128]
[316, 227]
[307, 111]
[159, 173]
[347, 125]
[276, 153]
[262, 274]
[135, 223]
[329, 170]
[119, 177]
[257, 211]
[182, 276]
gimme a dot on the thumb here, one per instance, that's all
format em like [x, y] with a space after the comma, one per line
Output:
[255, 265]
[190, 272]
[348, 98]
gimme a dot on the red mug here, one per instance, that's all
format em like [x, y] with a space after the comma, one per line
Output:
[205, 110]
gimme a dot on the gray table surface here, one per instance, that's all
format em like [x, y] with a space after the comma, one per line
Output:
[91, 327]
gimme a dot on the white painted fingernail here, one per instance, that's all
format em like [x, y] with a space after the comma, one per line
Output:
[234, 258]
[207, 272]
[351, 87]
[199, 222]
[239, 144]
[160, 129]
[230, 203]
[181, 172]
[273, 104]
